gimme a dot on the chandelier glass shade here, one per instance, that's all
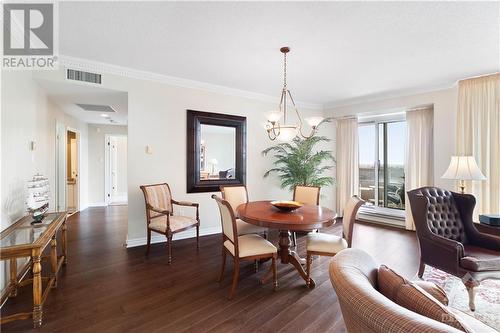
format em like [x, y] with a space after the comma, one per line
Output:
[284, 131]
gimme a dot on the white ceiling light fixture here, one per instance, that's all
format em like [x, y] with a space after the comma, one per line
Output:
[284, 131]
[104, 115]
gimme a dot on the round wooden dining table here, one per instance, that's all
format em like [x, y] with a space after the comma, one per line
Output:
[306, 218]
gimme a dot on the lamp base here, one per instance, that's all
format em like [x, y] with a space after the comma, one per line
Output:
[462, 186]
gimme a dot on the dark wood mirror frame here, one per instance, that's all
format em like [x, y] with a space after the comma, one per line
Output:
[194, 121]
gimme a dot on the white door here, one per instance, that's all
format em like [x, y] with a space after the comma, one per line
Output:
[117, 173]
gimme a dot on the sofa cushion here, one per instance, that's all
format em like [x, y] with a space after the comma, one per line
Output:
[434, 290]
[479, 259]
[412, 297]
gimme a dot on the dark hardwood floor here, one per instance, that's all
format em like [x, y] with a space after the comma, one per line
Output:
[108, 288]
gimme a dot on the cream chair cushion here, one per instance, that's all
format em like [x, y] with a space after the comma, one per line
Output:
[306, 195]
[235, 195]
[176, 223]
[245, 228]
[321, 242]
[159, 197]
[251, 245]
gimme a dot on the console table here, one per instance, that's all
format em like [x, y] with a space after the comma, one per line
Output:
[25, 240]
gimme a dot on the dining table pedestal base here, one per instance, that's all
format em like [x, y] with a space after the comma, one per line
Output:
[288, 256]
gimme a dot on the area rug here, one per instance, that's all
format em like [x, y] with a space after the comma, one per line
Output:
[487, 296]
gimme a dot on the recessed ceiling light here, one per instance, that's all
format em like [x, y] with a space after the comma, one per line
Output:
[104, 115]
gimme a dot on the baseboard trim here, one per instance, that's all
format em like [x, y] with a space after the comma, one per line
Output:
[157, 238]
[97, 204]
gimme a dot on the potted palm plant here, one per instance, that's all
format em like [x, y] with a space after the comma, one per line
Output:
[299, 162]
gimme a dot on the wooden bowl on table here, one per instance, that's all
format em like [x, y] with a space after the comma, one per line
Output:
[286, 205]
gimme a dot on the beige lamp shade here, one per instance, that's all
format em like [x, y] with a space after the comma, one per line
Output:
[463, 168]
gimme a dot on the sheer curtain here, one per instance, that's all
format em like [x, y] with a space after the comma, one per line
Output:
[419, 170]
[347, 161]
[478, 134]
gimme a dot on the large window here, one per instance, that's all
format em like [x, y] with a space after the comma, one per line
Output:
[381, 163]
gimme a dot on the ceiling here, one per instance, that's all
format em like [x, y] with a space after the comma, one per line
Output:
[340, 51]
[66, 95]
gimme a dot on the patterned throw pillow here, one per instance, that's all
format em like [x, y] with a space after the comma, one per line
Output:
[412, 297]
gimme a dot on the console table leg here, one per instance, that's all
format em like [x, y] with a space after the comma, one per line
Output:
[13, 277]
[37, 291]
[64, 243]
[53, 259]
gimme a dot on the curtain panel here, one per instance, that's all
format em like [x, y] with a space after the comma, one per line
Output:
[419, 167]
[478, 134]
[347, 161]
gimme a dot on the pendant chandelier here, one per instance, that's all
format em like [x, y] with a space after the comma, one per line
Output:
[285, 131]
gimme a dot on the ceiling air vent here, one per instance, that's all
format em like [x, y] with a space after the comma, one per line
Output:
[72, 74]
[96, 108]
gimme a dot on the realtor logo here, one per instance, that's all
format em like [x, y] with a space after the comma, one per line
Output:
[28, 36]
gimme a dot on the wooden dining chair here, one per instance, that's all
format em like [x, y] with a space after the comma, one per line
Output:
[242, 247]
[322, 244]
[235, 196]
[308, 195]
[160, 217]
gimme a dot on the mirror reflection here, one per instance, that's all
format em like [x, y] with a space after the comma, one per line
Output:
[217, 152]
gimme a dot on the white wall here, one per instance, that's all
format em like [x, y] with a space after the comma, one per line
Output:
[157, 117]
[445, 110]
[97, 134]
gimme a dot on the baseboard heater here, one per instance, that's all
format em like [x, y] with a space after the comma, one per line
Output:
[373, 216]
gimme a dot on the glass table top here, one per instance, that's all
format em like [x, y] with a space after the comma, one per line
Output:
[27, 233]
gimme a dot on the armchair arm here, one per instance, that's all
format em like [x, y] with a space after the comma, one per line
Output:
[441, 252]
[185, 203]
[158, 210]
[189, 204]
[465, 205]
[485, 240]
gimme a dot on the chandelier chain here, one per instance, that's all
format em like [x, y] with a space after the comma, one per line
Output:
[284, 71]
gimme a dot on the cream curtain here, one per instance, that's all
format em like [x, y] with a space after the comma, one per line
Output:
[347, 161]
[478, 134]
[419, 170]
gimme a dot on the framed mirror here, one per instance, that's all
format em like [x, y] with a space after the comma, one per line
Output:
[216, 151]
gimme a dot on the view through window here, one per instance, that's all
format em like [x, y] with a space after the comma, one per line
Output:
[381, 164]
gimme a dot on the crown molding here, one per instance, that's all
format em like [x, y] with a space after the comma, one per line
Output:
[105, 68]
[388, 95]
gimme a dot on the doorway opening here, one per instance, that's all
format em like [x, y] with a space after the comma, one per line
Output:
[72, 171]
[116, 169]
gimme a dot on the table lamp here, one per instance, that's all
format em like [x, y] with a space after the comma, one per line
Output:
[463, 168]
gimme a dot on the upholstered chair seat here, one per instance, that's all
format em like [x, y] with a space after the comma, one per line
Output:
[329, 245]
[251, 245]
[242, 247]
[176, 223]
[479, 259]
[326, 243]
[235, 196]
